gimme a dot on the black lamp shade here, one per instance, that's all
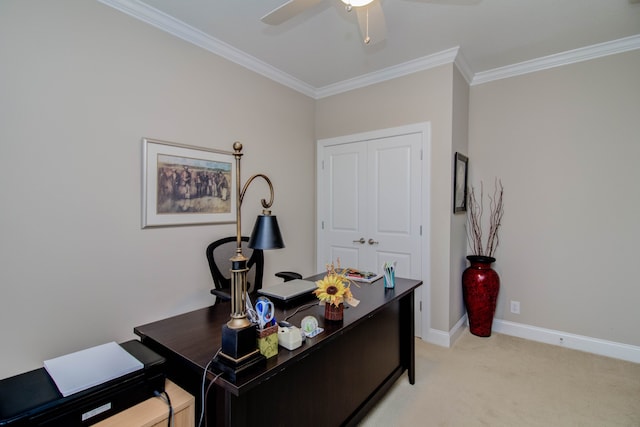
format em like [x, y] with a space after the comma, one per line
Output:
[266, 234]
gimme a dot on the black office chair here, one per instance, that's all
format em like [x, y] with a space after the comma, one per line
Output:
[220, 252]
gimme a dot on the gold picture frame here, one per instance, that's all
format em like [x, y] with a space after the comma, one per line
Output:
[186, 185]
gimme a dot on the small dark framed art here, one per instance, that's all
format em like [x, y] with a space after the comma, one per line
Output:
[185, 185]
[460, 183]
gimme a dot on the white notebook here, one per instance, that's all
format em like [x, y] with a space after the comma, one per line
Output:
[84, 369]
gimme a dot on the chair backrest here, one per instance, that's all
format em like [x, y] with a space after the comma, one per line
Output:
[219, 254]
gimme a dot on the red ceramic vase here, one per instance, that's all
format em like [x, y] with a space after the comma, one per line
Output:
[480, 286]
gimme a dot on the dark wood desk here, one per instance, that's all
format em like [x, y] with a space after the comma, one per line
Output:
[333, 379]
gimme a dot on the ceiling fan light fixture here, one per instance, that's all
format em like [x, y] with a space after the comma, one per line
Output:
[356, 3]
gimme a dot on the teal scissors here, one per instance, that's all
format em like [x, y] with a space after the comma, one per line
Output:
[265, 312]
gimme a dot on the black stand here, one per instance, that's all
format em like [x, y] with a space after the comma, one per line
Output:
[239, 353]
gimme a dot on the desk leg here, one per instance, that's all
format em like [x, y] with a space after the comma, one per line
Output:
[408, 336]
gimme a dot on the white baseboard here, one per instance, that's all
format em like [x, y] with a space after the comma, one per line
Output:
[612, 349]
[446, 339]
[573, 341]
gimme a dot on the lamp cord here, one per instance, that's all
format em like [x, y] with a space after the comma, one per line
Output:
[206, 421]
[301, 308]
[202, 391]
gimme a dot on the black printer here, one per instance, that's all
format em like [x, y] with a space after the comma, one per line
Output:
[32, 398]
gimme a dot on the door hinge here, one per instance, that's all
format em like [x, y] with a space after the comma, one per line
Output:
[322, 222]
[323, 165]
[421, 230]
[420, 305]
[420, 154]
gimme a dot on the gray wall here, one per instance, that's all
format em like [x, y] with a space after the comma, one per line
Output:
[460, 143]
[566, 144]
[80, 85]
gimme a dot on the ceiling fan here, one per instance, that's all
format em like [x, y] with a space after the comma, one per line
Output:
[370, 15]
[369, 12]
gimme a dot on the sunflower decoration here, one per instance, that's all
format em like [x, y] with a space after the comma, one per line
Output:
[334, 288]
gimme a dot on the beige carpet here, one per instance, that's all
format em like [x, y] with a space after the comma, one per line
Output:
[508, 381]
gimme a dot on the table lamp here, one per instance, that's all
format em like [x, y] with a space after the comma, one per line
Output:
[239, 349]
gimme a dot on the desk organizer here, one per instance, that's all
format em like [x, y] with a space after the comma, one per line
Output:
[268, 341]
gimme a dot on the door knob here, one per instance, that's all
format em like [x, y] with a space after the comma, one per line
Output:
[373, 242]
[361, 241]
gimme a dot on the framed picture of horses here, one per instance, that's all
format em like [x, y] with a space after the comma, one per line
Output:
[186, 185]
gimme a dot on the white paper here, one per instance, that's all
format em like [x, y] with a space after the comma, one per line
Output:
[84, 369]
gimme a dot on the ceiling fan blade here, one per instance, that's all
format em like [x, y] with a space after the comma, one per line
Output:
[450, 2]
[287, 11]
[377, 28]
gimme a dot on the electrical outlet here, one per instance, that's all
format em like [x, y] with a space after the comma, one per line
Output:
[515, 307]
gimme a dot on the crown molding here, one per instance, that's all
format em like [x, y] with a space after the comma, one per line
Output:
[559, 59]
[167, 23]
[463, 67]
[409, 67]
[164, 22]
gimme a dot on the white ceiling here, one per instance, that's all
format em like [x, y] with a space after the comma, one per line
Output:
[320, 51]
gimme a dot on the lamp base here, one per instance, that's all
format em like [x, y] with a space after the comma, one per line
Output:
[239, 352]
[238, 342]
[234, 369]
